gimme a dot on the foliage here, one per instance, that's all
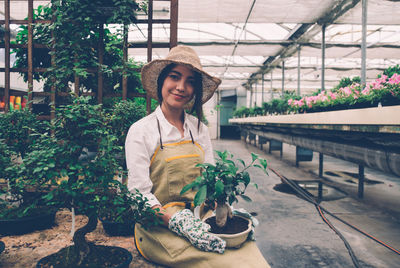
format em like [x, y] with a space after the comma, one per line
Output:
[390, 71]
[75, 32]
[223, 182]
[15, 129]
[127, 207]
[346, 81]
[122, 116]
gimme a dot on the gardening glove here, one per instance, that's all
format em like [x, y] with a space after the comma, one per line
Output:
[254, 222]
[197, 232]
[222, 212]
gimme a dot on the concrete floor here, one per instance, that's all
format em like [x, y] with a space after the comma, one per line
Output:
[291, 232]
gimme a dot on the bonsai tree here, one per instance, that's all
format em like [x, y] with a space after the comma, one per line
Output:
[223, 182]
[85, 183]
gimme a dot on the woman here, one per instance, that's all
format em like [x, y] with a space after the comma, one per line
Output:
[162, 151]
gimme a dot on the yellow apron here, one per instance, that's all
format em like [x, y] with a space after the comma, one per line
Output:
[172, 166]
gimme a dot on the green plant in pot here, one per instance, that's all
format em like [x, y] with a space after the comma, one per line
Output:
[120, 211]
[22, 208]
[87, 184]
[222, 184]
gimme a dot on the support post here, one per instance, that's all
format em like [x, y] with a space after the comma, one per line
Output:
[272, 91]
[323, 58]
[7, 56]
[298, 70]
[361, 177]
[364, 42]
[321, 165]
[30, 53]
[283, 77]
[262, 89]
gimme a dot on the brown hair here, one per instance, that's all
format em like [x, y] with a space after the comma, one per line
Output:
[198, 91]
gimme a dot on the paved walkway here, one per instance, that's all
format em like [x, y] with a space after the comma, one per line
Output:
[291, 232]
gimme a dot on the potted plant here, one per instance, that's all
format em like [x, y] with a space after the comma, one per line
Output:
[87, 184]
[221, 184]
[22, 208]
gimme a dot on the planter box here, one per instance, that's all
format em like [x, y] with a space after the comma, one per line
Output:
[377, 119]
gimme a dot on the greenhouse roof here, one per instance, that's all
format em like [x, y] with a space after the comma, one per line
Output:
[239, 40]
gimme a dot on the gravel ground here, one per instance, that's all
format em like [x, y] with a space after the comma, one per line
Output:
[26, 250]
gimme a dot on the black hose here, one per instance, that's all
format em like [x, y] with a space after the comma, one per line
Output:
[307, 197]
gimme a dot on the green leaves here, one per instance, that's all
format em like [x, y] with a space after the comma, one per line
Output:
[223, 182]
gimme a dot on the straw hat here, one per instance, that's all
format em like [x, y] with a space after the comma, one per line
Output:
[179, 55]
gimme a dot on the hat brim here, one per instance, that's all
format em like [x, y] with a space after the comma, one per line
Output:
[152, 70]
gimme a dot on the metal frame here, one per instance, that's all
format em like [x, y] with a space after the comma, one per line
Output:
[173, 21]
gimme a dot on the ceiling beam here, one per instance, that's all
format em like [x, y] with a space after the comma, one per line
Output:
[304, 33]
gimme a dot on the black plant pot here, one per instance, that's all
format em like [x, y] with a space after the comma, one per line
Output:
[2, 246]
[65, 257]
[27, 224]
[118, 229]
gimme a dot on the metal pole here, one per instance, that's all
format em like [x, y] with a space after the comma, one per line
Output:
[298, 70]
[364, 42]
[323, 59]
[272, 91]
[251, 95]
[361, 181]
[321, 165]
[255, 94]
[283, 77]
[7, 55]
[262, 88]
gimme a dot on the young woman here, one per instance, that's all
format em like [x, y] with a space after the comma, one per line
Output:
[162, 151]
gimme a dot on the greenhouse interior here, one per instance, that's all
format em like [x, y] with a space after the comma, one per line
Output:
[295, 108]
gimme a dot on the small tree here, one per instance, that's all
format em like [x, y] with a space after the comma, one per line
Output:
[222, 183]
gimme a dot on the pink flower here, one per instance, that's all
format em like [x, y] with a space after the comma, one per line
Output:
[290, 101]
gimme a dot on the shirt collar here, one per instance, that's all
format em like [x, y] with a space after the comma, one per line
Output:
[167, 126]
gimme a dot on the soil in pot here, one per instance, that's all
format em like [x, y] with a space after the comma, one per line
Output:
[234, 225]
[99, 256]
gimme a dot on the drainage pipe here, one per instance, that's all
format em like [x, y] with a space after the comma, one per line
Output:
[373, 158]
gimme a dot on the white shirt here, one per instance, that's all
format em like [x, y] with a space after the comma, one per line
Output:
[143, 139]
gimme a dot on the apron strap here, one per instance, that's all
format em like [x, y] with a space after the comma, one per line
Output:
[159, 131]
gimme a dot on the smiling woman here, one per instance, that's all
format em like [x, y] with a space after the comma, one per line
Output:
[163, 151]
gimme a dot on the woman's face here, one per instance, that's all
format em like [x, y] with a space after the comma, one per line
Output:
[178, 87]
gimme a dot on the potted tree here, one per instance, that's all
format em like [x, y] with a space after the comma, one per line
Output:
[87, 183]
[22, 208]
[221, 184]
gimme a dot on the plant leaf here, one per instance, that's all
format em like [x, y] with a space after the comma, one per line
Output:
[246, 198]
[200, 196]
[219, 188]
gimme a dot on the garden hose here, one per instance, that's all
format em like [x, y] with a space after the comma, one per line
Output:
[321, 209]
